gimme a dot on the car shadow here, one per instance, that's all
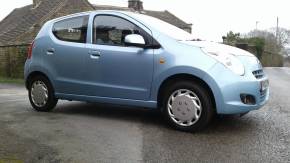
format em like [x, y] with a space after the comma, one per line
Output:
[123, 113]
[152, 117]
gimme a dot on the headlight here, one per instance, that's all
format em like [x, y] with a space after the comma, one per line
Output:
[228, 60]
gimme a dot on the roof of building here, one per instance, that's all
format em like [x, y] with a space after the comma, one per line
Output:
[29, 18]
[22, 19]
[17, 27]
[163, 15]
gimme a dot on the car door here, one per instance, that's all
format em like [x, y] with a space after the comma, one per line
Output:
[65, 54]
[113, 69]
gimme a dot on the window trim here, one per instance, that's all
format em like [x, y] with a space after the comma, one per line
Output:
[67, 19]
[148, 41]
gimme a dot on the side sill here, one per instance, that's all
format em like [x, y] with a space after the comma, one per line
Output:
[118, 101]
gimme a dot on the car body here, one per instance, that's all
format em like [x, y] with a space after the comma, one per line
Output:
[93, 57]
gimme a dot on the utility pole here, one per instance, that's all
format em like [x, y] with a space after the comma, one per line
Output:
[257, 22]
[277, 29]
[277, 37]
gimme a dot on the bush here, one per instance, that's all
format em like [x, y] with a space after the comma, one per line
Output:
[272, 60]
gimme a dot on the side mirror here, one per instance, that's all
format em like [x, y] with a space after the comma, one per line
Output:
[134, 40]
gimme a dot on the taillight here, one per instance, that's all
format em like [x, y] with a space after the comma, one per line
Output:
[30, 49]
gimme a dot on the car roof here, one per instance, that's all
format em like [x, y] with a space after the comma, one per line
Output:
[129, 13]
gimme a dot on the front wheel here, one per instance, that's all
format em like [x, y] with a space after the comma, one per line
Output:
[41, 94]
[187, 106]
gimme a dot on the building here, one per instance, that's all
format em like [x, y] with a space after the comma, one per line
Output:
[22, 24]
[137, 6]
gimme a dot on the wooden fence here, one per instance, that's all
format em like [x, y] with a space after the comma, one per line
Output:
[12, 59]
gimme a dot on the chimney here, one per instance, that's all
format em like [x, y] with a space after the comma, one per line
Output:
[137, 5]
[36, 3]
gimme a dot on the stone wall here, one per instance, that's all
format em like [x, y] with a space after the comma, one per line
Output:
[12, 59]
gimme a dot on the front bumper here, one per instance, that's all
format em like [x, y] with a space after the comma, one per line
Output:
[228, 87]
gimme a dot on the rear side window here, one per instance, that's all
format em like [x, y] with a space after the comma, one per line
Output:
[72, 30]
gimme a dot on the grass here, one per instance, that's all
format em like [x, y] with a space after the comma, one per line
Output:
[11, 80]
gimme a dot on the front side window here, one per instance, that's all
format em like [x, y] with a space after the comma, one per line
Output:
[72, 30]
[111, 30]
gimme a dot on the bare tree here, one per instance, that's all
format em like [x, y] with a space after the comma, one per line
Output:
[282, 36]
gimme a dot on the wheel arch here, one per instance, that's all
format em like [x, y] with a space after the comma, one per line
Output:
[34, 74]
[183, 76]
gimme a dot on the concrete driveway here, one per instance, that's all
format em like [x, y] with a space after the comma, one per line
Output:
[81, 132]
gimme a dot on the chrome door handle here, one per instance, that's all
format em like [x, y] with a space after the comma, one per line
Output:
[50, 51]
[95, 54]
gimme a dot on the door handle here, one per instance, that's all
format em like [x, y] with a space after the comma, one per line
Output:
[50, 51]
[95, 54]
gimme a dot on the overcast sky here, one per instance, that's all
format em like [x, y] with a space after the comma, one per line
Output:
[211, 19]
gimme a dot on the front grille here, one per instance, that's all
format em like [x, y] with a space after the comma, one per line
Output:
[258, 74]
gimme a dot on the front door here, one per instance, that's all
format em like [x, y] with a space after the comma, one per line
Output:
[113, 69]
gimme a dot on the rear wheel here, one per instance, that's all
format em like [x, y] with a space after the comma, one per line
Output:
[41, 94]
[187, 106]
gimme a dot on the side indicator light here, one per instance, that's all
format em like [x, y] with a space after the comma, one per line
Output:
[162, 61]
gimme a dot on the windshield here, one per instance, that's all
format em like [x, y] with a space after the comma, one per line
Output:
[165, 28]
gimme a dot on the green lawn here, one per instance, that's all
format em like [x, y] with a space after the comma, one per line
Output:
[11, 80]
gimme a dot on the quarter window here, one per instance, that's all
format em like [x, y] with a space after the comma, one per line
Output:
[72, 30]
[111, 30]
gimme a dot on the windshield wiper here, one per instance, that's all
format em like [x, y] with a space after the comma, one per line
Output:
[196, 39]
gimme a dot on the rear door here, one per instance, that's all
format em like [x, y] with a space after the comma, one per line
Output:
[66, 53]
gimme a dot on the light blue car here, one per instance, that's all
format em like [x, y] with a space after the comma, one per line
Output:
[132, 59]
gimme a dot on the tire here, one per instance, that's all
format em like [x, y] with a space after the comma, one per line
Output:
[41, 94]
[191, 103]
